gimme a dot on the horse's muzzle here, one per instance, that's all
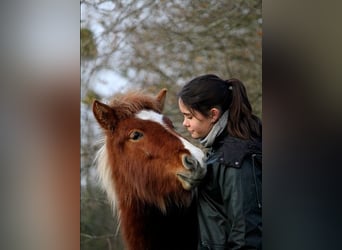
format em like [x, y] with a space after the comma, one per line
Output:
[194, 173]
[190, 162]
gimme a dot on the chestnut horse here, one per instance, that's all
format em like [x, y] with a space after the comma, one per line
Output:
[149, 173]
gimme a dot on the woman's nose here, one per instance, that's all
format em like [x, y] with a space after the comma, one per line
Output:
[185, 123]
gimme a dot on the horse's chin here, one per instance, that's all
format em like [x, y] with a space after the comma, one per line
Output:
[187, 182]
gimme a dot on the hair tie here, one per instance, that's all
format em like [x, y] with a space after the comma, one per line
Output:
[230, 83]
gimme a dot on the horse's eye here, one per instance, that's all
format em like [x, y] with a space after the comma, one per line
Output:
[135, 135]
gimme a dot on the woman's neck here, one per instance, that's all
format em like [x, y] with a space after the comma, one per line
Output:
[216, 130]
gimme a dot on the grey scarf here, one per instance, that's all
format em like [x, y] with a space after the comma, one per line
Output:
[216, 130]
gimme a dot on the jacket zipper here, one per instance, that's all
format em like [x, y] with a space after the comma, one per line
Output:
[255, 182]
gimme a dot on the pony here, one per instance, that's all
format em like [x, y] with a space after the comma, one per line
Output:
[149, 173]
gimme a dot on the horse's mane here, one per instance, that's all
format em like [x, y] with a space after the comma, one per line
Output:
[132, 102]
[104, 173]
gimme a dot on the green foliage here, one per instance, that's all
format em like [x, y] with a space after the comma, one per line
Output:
[90, 96]
[88, 45]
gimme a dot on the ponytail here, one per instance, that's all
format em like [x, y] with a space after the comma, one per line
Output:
[241, 122]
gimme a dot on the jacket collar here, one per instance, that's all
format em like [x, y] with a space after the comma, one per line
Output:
[232, 150]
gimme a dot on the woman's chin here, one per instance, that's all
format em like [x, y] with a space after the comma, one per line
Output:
[194, 135]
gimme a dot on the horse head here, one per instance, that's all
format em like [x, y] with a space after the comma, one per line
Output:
[145, 159]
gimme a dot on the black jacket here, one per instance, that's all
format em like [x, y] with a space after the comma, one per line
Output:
[229, 198]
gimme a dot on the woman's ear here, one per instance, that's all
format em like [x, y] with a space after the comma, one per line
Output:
[215, 114]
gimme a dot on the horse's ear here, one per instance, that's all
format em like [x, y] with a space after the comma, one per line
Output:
[104, 115]
[161, 98]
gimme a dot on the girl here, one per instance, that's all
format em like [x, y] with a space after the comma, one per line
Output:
[218, 113]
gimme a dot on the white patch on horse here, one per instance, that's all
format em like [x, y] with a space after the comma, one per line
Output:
[151, 116]
[195, 151]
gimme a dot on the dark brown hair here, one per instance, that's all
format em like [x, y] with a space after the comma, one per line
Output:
[209, 91]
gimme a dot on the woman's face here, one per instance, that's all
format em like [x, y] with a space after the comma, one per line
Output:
[197, 124]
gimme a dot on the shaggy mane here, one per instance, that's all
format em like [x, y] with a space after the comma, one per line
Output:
[104, 173]
[132, 102]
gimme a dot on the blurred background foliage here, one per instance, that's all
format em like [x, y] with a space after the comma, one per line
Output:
[88, 45]
[149, 45]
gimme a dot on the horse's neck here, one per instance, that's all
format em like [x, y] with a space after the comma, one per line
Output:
[147, 228]
[144, 227]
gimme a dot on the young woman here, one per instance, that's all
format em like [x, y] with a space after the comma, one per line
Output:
[218, 113]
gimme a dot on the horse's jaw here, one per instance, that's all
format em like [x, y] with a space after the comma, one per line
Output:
[188, 182]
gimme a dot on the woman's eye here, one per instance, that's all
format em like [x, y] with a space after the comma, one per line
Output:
[135, 135]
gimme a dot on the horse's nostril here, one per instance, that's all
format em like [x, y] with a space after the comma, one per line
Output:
[189, 162]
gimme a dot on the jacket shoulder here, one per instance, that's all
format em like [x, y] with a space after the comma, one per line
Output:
[234, 150]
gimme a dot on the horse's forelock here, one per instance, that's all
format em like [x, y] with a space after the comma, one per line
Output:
[133, 102]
